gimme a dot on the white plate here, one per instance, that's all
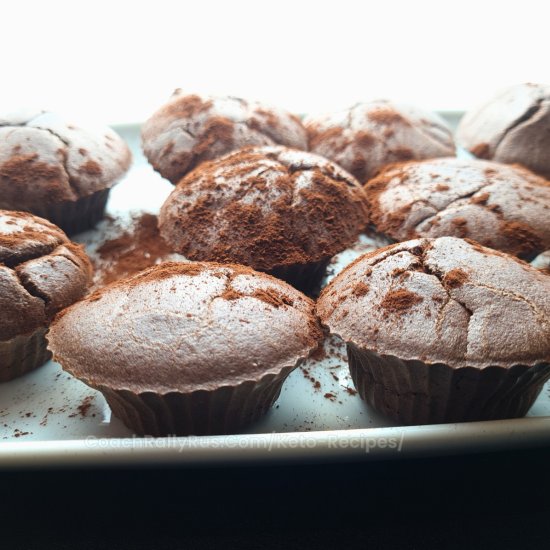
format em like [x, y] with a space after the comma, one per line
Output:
[49, 418]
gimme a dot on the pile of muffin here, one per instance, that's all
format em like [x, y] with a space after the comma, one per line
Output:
[449, 323]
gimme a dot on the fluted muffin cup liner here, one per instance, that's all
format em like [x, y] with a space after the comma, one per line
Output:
[304, 277]
[225, 410]
[76, 216]
[23, 354]
[413, 392]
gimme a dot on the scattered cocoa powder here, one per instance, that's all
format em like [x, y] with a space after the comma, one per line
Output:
[461, 226]
[131, 252]
[91, 167]
[455, 278]
[399, 301]
[273, 297]
[186, 106]
[84, 407]
[319, 353]
[480, 199]
[402, 153]
[230, 294]
[387, 116]
[522, 238]
[361, 289]
[481, 150]
[229, 220]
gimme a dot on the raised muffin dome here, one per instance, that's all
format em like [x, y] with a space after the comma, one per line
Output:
[442, 330]
[190, 129]
[41, 272]
[266, 207]
[185, 327]
[188, 348]
[504, 207]
[368, 136]
[442, 300]
[512, 127]
[47, 165]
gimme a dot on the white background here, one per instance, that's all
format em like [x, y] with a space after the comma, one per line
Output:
[118, 61]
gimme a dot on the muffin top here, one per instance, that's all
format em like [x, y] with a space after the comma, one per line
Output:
[504, 207]
[44, 160]
[370, 135]
[443, 300]
[512, 127]
[190, 129]
[264, 207]
[41, 272]
[184, 327]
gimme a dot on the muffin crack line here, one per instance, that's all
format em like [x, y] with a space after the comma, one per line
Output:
[525, 117]
[65, 156]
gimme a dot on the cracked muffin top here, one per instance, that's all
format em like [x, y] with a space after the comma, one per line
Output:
[368, 136]
[41, 272]
[512, 127]
[264, 207]
[185, 327]
[44, 160]
[190, 129]
[442, 300]
[500, 206]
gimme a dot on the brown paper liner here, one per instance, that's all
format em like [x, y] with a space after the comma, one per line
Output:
[413, 392]
[23, 354]
[225, 410]
[304, 277]
[76, 216]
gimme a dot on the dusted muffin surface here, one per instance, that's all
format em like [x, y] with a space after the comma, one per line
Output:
[503, 207]
[190, 129]
[275, 209]
[512, 127]
[442, 330]
[57, 170]
[184, 333]
[41, 272]
[368, 136]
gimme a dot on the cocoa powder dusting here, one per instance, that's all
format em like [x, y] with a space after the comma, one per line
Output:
[265, 230]
[230, 294]
[131, 252]
[523, 239]
[480, 199]
[455, 278]
[361, 289]
[461, 226]
[91, 167]
[386, 115]
[272, 297]
[23, 168]
[399, 301]
[481, 150]
[319, 353]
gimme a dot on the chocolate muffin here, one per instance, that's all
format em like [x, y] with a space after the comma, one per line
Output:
[58, 171]
[278, 210]
[191, 348]
[442, 330]
[512, 127]
[190, 129]
[504, 207]
[41, 272]
[368, 136]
